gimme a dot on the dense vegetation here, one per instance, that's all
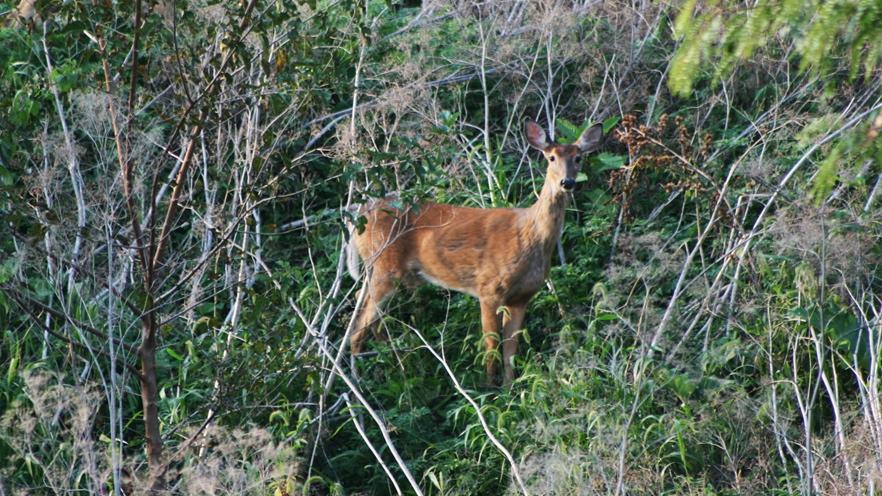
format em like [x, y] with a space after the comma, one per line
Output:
[174, 183]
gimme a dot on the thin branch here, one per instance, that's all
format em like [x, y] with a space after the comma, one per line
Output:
[499, 446]
[361, 399]
[51, 331]
[23, 298]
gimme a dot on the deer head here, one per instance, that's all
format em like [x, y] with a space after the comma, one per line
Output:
[563, 160]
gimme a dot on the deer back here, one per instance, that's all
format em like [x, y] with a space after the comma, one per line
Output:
[482, 252]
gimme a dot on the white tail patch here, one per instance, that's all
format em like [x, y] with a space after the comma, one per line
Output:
[353, 264]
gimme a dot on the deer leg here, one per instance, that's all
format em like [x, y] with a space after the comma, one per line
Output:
[490, 326]
[511, 323]
[378, 290]
[362, 323]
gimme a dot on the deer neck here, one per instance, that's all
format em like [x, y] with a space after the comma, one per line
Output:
[546, 218]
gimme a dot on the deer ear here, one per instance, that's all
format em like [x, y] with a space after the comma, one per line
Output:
[591, 138]
[536, 136]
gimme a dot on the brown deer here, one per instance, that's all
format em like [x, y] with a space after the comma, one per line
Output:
[499, 255]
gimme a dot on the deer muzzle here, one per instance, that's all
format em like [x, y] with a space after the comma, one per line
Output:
[568, 184]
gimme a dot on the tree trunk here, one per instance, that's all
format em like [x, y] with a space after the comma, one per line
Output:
[149, 395]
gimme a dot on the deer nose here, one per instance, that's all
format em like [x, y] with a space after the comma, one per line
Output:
[568, 183]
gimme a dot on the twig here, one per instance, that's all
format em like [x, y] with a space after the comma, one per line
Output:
[373, 414]
[358, 426]
[502, 449]
[51, 331]
[23, 298]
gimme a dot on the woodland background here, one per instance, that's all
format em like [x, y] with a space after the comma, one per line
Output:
[172, 295]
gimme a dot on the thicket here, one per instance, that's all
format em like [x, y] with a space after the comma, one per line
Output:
[174, 180]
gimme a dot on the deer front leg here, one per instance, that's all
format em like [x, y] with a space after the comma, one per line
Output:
[490, 326]
[511, 322]
[377, 292]
[361, 323]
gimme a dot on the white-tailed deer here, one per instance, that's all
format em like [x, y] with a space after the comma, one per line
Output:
[499, 255]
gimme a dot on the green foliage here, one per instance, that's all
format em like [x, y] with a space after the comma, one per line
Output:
[777, 263]
[828, 173]
[828, 36]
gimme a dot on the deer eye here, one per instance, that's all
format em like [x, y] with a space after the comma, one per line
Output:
[551, 158]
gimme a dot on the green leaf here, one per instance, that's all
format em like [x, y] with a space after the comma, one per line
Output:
[7, 269]
[607, 161]
[798, 314]
[569, 131]
[12, 371]
[609, 123]
[280, 415]
[172, 353]
[65, 77]
[7, 178]
[682, 385]
[23, 108]
[684, 18]
[827, 176]
[605, 316]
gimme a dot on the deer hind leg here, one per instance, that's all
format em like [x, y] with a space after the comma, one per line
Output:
[490, 327]
[512, 321]
[377, 290]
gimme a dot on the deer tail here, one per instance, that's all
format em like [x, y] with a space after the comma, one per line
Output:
[352, 261]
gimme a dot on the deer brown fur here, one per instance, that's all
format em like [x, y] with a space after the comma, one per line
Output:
[499, 255]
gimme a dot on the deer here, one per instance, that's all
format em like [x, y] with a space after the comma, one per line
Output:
[499, 255]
